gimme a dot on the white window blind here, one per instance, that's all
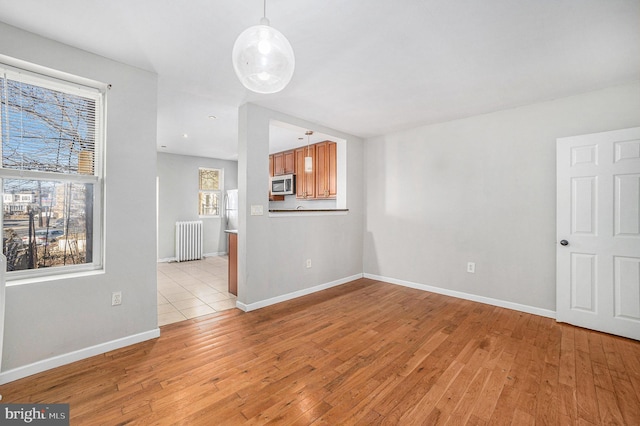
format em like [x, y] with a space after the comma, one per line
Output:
[46, 129]
[51, 134]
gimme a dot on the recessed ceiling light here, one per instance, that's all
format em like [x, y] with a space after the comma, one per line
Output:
[212, 117]
[184, 135]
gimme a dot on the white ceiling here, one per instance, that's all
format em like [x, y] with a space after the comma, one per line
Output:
[364, 67]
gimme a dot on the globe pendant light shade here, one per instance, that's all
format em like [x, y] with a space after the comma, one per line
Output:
[263, 59]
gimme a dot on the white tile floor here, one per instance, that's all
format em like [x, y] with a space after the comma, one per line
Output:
[190, 289]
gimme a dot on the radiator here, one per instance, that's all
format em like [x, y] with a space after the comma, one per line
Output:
[188, 240]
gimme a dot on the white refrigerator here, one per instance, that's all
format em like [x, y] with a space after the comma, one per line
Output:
[231, 209]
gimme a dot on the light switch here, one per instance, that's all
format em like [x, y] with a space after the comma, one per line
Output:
[256, 210]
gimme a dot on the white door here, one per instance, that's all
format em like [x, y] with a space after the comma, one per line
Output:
[598, 232]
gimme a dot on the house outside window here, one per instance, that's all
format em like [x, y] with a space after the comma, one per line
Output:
[209, 192]
[51, 134]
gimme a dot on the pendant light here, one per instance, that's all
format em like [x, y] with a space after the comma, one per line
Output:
[263, 58]
[308, 160]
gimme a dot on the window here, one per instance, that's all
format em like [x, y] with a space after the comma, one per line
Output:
[210, 182]
[51, 140]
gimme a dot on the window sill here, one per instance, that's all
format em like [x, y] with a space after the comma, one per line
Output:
[62, 276]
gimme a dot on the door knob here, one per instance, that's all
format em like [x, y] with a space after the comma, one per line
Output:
[564, 242]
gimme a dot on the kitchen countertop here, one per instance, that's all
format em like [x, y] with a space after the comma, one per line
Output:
[305, 210]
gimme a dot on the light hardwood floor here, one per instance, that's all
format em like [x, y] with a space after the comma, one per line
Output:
[362, 353]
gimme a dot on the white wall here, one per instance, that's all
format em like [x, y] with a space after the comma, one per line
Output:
[178, 200]
[272, 250]
[54, 318]
[481, 189]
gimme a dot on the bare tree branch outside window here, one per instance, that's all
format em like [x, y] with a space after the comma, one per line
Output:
[209, 193]
[47, 217]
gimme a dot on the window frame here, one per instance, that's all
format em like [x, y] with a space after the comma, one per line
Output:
[209, 191]
[74, 85]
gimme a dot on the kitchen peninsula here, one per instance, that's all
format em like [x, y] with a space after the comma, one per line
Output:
[307, 210]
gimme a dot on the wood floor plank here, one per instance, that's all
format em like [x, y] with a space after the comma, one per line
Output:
[469, 399]
[628, 400]
[585, 385]
[608, 407]
[517, 381]
[411, 390]
[520, 418]
[424, 351]
[547, 398]
[492, 389]
[427, 404]
[568, 402]
[529, 383]
[363, 353]
[631, 361]
[312, 414]
[459, 388]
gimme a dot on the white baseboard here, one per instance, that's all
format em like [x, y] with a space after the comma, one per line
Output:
[57, 361]
[174, 259]
[295, 294]
[218, 253]
[467, 296]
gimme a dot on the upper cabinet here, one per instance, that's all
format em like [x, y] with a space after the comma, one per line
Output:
[271, 174]
[284, 163]
[321, 182]
[305, 181]
[270, 168]
[325, 165]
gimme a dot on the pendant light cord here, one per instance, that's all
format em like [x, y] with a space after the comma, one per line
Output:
[264, 20]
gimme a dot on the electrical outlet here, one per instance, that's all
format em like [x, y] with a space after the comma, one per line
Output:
[471, 267]
[116, 298]
[308, 263]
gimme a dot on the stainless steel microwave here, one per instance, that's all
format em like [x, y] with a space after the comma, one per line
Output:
[283, 185]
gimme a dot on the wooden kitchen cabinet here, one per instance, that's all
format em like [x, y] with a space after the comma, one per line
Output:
[321, 183]
[326, 170]
[305, 182]
[289, 162]
[284, 163]
[271, 174]
[233, 262]
[271, 166]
